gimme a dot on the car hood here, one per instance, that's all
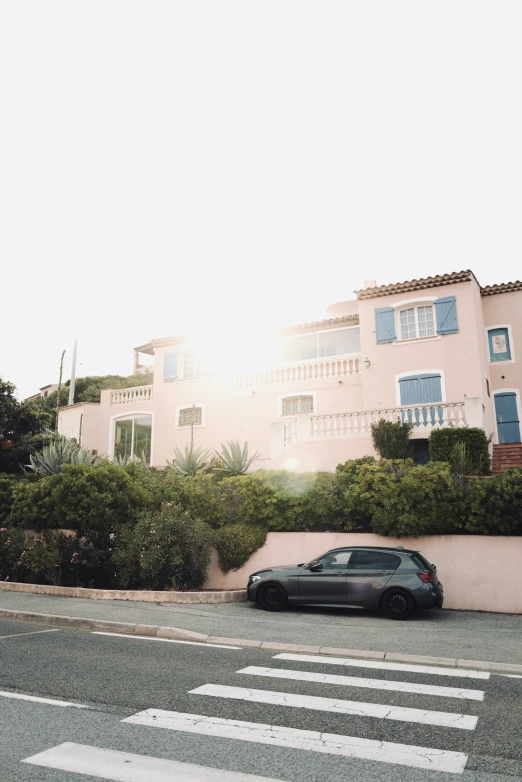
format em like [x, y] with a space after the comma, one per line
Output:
[287, 569]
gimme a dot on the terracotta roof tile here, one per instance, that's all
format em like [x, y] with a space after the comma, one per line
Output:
[416, 285]
[503, 287]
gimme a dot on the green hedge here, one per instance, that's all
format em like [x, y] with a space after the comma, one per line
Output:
[442, 442]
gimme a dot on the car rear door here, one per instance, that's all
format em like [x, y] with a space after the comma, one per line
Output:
[327, 584]
[368, 573]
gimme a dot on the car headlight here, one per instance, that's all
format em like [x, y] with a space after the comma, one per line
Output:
[253, 579]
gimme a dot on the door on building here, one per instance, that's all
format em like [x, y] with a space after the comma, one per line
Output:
[421, 390]
[508, 423]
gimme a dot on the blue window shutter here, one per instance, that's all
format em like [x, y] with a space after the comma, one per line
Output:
[385, 324]
[446, 313]
[431, 390]
[170, 366]
[499, 348]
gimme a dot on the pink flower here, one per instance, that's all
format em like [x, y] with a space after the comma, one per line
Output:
[3, 529]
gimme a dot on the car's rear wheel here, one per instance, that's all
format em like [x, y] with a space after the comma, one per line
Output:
[398, 604]
[272, 597]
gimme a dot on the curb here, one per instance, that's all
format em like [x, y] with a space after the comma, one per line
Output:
[225, 596]
[178, 634]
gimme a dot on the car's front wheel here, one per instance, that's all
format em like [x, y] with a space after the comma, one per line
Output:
[398, 604]
[272, 597]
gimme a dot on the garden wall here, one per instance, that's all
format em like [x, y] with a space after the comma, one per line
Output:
[479, 573]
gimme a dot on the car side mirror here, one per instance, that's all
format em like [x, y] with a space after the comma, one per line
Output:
[316, 566]
[301, 564]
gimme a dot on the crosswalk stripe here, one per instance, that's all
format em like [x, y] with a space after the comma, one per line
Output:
[384, 666]
[372, 684]
[165, 640]
[333, 705]
[128, 767]
[310, 740]
[50, 701]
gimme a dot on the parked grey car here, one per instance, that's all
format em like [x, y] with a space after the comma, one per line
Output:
[395, 580]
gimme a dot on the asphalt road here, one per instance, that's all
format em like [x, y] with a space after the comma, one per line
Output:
[116, 678]
[464, 634]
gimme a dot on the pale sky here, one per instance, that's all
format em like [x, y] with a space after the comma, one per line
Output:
[239, 165]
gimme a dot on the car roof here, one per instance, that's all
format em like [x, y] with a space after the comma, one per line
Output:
[376, 548]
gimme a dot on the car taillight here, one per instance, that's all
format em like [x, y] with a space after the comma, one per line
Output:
[425, 577]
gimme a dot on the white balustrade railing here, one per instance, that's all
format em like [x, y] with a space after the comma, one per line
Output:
[315, 369]
[125, 396]
[423, 417]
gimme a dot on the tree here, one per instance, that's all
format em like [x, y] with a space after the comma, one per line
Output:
[23, 428]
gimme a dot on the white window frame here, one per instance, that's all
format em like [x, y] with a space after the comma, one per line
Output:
[414, 305]
[515, 391]
[182, 366]
[421, 372]
[511, 360]
[127, 416]
[321, 358]
[188, 407]
[313, 394]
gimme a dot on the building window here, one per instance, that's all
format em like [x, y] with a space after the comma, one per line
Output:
[190, 416]
[291, 405]
[133, 438]
[333, 342]
[499, 344]
[417, 322]
[191, 366]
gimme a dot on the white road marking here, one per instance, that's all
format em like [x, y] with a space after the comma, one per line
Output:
[335, 706]
[372, 684]
[510, 675]
[167, 640]
[33, 632]
[384, 666]
[311, 740]
[50, 701]
[128, 767]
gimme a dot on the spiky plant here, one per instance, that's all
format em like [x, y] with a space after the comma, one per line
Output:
[193, 461]
[234, 459]
[61, 450]
[124, 459]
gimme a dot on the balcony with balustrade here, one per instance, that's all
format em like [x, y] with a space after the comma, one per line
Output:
[131, 396]
[333, 367]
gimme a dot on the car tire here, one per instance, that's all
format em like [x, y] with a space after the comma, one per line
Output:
[398, 604]
[272, 597]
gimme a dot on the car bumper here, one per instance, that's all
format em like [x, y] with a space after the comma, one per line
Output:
[430, 596]
[252, 591]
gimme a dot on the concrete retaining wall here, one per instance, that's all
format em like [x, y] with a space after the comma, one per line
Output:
[224, 596]
[479, 573]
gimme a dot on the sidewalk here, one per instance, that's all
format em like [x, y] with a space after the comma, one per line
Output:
[453, 634]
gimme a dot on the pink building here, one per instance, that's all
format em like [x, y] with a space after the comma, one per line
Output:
[439, 351]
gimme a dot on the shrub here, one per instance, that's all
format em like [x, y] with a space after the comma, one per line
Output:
[12, 545]
[164, 550]
[81, 497]
[236, 543]
[391, 439]
[498, 505]
[442, 444]
[7, 485]
[59, 451]
[403, 499]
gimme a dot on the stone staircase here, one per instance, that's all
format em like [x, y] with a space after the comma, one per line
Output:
[506, 456]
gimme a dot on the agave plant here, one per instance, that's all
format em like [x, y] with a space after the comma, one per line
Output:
[61, 450]
[124, 459]
[191, 462]
[234, 460]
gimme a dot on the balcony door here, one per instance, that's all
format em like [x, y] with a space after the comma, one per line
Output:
[508, 423]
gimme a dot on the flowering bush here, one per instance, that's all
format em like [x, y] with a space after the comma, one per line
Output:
[12, 547]
[164, 550]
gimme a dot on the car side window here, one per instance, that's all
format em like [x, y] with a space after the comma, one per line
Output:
[335, 560]
[390, 562]
[366, 560]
